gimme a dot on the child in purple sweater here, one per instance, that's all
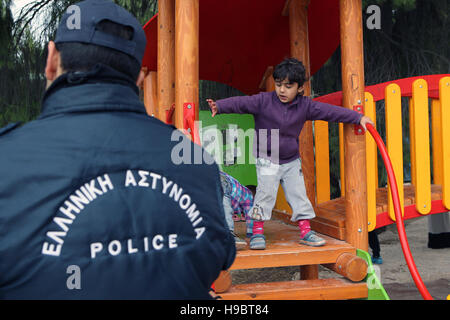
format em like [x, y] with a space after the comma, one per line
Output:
[280, 115]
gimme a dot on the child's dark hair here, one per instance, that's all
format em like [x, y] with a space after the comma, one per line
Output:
[292, 69]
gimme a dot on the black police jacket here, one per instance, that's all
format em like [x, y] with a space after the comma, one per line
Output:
[95, 204]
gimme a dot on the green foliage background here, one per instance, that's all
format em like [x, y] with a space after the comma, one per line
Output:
[23, 52]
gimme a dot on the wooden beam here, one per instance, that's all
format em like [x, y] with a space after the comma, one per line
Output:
[267, 83]
[285, 11]
[186, 57]
[150, 93]
[166, 57]
[298, 27]
[353, 94]
[309, 272]
[350, 266]
[321, 289]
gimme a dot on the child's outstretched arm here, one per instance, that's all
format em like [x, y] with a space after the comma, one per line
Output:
[213, 106]
[237, 104]
[327, 112]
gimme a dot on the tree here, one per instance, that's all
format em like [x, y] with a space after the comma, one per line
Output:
[6, 57]
[6, 26]
[51, 11]
[23, 52]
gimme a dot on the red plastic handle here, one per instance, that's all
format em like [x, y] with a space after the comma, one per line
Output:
[398, 215]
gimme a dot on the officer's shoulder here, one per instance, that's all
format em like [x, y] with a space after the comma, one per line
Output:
[9, 127]
[160, 123]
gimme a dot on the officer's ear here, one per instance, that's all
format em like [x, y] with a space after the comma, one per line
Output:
[141, 77]
[52, 68]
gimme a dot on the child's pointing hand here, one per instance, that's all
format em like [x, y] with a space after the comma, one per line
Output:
[213, 106]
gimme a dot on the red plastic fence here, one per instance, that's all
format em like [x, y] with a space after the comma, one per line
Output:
[378, 94]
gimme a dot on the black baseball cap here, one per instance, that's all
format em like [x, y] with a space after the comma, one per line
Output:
[79, 24]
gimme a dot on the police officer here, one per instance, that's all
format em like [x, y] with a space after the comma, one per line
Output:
[93, 204]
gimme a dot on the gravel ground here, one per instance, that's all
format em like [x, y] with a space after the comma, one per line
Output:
[433, 264]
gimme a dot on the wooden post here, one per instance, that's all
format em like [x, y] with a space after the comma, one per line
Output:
[186, 57]
[270, 82]
[298, 28]
[353, 94]
[267, 83]
[150, 96]
[223, 282]
[166, 57]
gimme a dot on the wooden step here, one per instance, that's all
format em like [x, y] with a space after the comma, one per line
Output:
[283, 249]
[320, 289]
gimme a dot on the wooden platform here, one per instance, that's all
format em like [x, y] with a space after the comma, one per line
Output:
[283, 249]
[330, 219]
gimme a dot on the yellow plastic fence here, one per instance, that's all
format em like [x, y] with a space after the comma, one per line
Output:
[371, 165]
[444, 156]
[419, 146]
[394, 141]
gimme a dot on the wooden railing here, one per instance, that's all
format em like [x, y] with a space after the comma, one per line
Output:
[418, 90]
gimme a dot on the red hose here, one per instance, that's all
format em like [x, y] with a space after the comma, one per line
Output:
[398, 215]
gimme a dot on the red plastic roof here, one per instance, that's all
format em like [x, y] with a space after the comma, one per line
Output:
[239, 39]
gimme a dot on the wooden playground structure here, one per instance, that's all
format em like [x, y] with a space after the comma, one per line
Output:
[191, 40]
